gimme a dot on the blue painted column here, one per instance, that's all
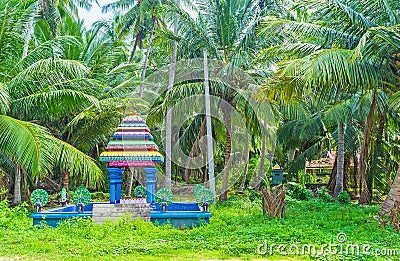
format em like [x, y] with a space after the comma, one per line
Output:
[118, 192]
[115, 184]
[112, 193]
[151, 184]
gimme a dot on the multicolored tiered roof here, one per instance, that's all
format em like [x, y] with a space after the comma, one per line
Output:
[132, 145]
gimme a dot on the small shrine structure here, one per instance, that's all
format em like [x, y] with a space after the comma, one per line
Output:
[132, 146]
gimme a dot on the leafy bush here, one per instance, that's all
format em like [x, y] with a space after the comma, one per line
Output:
[324, 196]
[11, 216]
[251, 194]
[299, 192]
[236, 229]
[254, 195]
[100, 196]
[343, 197]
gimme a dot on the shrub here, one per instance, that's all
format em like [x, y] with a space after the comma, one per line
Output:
[299, 192]
[11, 216]
[254, 195]
[324, 196]
[251, 194]
[343, 197]
[100, 196]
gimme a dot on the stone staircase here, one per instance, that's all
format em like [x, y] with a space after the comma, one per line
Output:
[103, 212]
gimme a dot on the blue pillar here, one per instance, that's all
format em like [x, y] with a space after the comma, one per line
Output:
[118, 199]
[115, 184]
[112, 193]
[151, 184]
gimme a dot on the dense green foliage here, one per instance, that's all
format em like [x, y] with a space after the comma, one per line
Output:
[329, 70]
[299, 192]
[324, 196]
[343, 197]
[236, 230]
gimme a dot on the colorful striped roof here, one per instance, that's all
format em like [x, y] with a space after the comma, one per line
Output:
[132, 135]
[136, 128]
[132, 145]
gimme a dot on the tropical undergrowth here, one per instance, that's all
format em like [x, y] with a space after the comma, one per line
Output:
[237, 229]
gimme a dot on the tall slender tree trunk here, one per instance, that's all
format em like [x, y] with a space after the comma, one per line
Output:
[262, 162]
[246, 166]
[346, 173]
[17, 185]
[168, 149]
[377, 152]
[168, 128]
[130, 182]
[27, 37]
[225, 182]
[292, 154]
[66, 180]
[146, 59]
[138, 38]
[204, 155]
[26, 185]
[365, 195]
[210, 145]
[204, 167]
[340, 164]
[332, 179]
[195, 148]
[134, 48]
[355, 172]
[392, 197]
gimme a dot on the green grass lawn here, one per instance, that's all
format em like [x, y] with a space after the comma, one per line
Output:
[236, 231]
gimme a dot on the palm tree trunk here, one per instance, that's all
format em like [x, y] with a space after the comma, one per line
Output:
[355, 172]
[168, 128]
[134, 48]
[194, 150]
[204, 168]
[17, 185]
[27, 37]
[210, 144]
[130, 182]
[66, 180]
[392, 197]
[225, 182]
[346, 173]
[246, 167]
[377, 153]
[292, 154]
[365, 195]
[146, 59]
[332, 179]
[261, 169]
[340, 164]
[26, 185]
[168, 149]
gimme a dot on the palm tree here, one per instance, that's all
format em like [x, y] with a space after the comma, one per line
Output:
[210, 145]
[134, 21]
[52, 11]
[168, 128]
[332, 56]
[36, 151]
[140, 17]
[57, 93]
[393, 196]
[226, 29]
